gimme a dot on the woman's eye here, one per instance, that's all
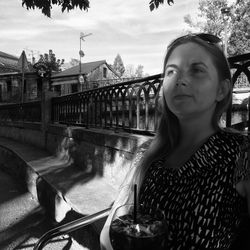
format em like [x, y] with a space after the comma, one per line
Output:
[171, 72]
[198, 70]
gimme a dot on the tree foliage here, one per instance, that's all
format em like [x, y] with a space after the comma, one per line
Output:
[46, 5]
[129, 71]
[74, 62]
[234, 25]
[139, 71]
[53, 64]
[118, 65]
[239, 42]
[132, 72]
[154, 4]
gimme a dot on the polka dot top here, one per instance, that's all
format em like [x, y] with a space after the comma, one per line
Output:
[199, 199]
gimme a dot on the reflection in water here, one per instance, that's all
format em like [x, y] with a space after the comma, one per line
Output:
[237, 117]
[240, 101]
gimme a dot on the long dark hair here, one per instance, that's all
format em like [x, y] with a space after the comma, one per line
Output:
[168, 132]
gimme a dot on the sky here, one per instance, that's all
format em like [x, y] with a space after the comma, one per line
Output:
[117, 26]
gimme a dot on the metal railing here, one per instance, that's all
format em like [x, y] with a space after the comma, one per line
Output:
[132, 105]
[25, 112]
[108, 82]
[240, 66]
[70, 227]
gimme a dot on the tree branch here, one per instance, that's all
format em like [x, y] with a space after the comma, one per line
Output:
[154, 4]
[46, 5]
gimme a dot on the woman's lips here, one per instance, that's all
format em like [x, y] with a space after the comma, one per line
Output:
[181, 96]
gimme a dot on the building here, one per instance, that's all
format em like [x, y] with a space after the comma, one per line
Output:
[8, 63]
[8, 76]
[22, 82]
[90, 75]
[19, 82]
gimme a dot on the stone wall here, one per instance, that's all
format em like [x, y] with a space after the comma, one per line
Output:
[29, 133]
[103, 151]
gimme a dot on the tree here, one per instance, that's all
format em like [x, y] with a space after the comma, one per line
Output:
[74, 62]
[139, 71]
[118, 65]
[46, 5]
[234, 25]
[131, 72]
[239, 42]
[154, 4]
[51, 62]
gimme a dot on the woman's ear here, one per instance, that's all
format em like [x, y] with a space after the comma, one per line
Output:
[223, 89]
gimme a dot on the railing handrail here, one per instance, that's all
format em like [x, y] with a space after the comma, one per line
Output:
[238, 58]
[131, 105]
[70, 227]
[139, 80]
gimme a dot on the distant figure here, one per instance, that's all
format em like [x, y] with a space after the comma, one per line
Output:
[197, 173]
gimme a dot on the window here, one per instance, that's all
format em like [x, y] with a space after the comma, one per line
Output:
[104, 72]
[95, 84]
[58, 89]
[9, 86]
[74, 88]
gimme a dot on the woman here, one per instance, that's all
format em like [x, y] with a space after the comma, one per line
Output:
[194, 171]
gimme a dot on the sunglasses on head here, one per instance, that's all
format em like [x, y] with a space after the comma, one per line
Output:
[209, 38]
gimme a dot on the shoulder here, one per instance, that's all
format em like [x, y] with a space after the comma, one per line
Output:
[233, 138]
[229, 144]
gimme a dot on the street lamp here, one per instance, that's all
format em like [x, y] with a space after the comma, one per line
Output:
[225, 11]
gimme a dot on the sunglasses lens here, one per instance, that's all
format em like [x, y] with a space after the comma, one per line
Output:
[209, 38]
[203, 36]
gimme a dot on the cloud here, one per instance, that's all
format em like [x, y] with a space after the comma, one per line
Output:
[125, 27]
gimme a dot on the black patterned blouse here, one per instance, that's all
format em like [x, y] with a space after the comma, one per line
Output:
[200, 202]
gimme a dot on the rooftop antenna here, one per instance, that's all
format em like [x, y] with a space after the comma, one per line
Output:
[81, 53]
[31, 52]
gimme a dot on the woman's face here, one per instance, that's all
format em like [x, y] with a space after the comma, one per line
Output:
[191, 82]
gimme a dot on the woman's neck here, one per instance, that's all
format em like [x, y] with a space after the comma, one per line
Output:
[194, 131]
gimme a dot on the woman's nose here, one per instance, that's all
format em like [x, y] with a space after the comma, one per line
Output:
[181, 83]
[181, 80]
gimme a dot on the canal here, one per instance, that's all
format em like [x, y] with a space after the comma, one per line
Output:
[240, 112]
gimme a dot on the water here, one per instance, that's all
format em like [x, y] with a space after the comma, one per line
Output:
[243, 115]
[239, 116]
[238, 98]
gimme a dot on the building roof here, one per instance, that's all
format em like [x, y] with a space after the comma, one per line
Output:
[85, 69]
[8, 63]
[5, 55]
[23, 65]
